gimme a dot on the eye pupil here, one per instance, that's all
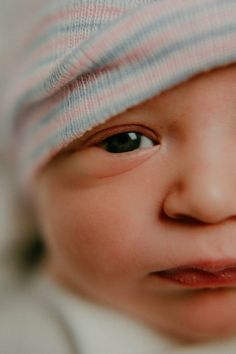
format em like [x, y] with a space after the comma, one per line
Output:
[122, 142]
[125, 142]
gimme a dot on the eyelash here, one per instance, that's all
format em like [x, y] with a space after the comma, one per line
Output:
[102, 138]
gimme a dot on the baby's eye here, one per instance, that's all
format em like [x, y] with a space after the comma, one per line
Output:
[125, 142]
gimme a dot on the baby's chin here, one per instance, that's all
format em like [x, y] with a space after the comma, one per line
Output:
[200, 335]
[206, 317]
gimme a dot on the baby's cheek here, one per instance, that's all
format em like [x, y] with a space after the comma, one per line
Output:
[92, 165]
[97, 235]
[98, 229]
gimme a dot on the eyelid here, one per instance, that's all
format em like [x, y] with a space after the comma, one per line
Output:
[100, 136]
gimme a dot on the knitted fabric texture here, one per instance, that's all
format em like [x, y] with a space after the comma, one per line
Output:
[83, 62]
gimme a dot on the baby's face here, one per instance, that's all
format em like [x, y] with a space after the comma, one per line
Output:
[140, 213]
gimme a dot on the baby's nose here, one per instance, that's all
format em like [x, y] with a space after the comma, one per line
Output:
[205, 193]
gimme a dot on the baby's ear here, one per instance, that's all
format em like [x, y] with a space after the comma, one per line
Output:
[21, 247]
[29, 252]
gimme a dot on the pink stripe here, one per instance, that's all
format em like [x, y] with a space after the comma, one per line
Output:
[167, 69]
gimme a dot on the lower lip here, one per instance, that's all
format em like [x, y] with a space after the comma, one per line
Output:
[197, 278]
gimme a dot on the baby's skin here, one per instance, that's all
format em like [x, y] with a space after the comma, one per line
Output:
[140, 213]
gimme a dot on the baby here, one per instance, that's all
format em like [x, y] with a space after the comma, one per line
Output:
[124, 121]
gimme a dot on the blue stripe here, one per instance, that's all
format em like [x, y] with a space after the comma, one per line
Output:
[61, 29]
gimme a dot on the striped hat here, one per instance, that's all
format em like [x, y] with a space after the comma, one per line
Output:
[84, 61]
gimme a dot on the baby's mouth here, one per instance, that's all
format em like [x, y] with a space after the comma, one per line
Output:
[200, 276]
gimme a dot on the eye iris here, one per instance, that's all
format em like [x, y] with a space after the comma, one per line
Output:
[122, 142]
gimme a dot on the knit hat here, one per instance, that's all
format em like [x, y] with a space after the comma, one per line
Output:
[85, 61]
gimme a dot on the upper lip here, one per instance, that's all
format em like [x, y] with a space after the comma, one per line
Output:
[210, 266]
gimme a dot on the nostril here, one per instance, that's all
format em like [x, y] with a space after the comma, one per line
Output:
[186, 219]
[180, 217]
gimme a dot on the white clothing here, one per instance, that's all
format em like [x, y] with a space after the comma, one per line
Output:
[43, 318]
